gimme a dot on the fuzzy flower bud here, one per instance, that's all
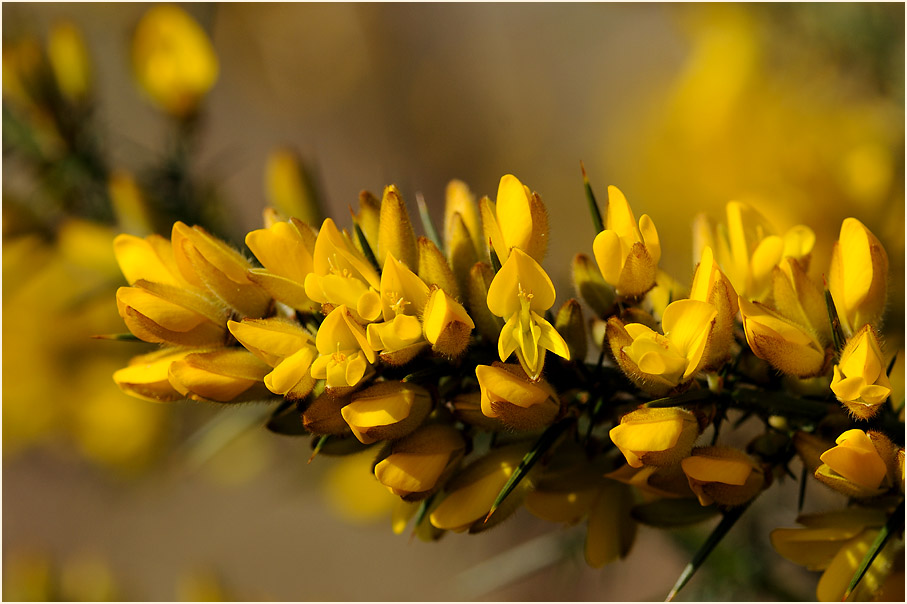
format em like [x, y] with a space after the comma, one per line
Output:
[788, 347]
[165, 314]
[220, 375]
[386, 411]
[395, 232]
[434, 269]
[859, 379]
[518, 402]
[655, 437]
[480, 277]
[420, 463]
[517, 219]
[726, 476]
[460, 201]
[863, 464]
[627, 254]
[446, 324]
[285, 249]
[591, 287]
[857, 278]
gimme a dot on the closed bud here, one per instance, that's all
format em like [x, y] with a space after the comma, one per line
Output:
[788, 347]
[467, 407]
[656, 436]
[446, 324]
[860, 381]
[287, 187]
[69, 61]
[723, 475]
[857, 278]
[146, 376]
[219, 375]
[800, 299]
[591, 287]
[344, 355]
[810, 447]
[859, 465]
[285, 250]
[461, 253]
[167, 314]
[368, 219]
[324, 415]
[434, 270]
[387, 411]
[173, 59]
[395, 232]
[206, 261]
[516, 219]
[571, 325]
[285, 346]
[460, 201]
[712, 286]
[480, 277]
[420, 463]
[627, 254]
[664, 481]
[521, 404]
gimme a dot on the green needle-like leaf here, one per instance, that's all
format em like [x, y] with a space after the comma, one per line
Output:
[366, 248]
[119, 337]
[541, 446]
[801, 496]
[891, 364]
[681, 399]
[593, 205]
[495, 261]
[319, 444]
[727, 522]
[836, 331]
[885, 533]
[427, 224]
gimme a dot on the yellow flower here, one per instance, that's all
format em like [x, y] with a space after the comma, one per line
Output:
[467, 407]
[863, 464]
[287, 187]
[655, 437]
[480, 277]
[627, 254]
[857, 278]
[395, 232]
[148, 259]
[788, 347]
[711, 285]
[800, 299]
[660, 363]
[517, 219]
[220, 375]
[173, 60]
[165, 314]
[518, 402]
[859, 379]
[836, 542]
[747, 249]
[344, 355]
[723, 475]
[403, 297]
[471, 493]
[419, 464]
[434, 269]
[386, 411]
[283, 345]
[147, 376]
[129, 205]
[459, 200]
[69, 61]
[520, 293]
[446, 324]
[207, 262]
[285, 249]
[342, 276]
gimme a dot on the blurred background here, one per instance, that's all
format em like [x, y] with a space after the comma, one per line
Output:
[795, 108]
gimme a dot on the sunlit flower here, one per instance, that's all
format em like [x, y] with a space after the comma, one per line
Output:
[165, 314]
[446, 324]
[656, 436]
[220, 375]
[147, 375]
[627, 254]
[403, 298]
[507, 394]
[419, 464]
[722, 475]
[285, 346]
[859, 379]
[862, 464]
[788, 347]
[520, 293]
[285, 249]
[516, 219]
[344, 355]
[857, 278]
[711, 285]
[800, 299]
[386, 411]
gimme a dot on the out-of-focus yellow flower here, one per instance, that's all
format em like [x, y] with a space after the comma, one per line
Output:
[219, 375]
[69, 61]
[859, 379]
[395, 231]
[285, 249]
[664, 481]
[747, 249]
[516, 219]
[342, 275]
[722, 475]
[611, 531]
[569, 322]
[368, 219]
[283, 345]
[836, 543]
[173, 60]
[591, 287]
[286, 187]
[520, 293]
[386, 411]
[627, 254]
[344, 353]
[787, 346]
[149, 259]
[507, 394]
[207, 262]
[420, 463]
[863, 464]
[147, 376]
[471, 493]
[666, 290]
[857, 278]
[655, 437]
[129, 204]
[446, 324]
[712, 286]
[353, 494]
[403, 298]
[660, 363]
[459, 200]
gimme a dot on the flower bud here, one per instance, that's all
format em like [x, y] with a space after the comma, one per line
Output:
[857, 277]
[69, 61]
[810, 447]
[711, 285]
[666, 290]
[857, 466]
[345, 357]
[173, 59]
[591, 287]
[627, 255]
[471, 493]
[220, 375]
[509, 395]
[368, 219]
[859, 379]
[149, 259]
[517, 219]
[434, 270]
[146, 376]
[285, 249]
[446, 324]
[387, 411]
[395, 232]
[480, 278]
[656, 436]
[664, 481]
[570, 323]
[288, 189]
[324, 415]
[420, 463]
[461, 253]
[459, 201]
[166, 314]
[787, 346]
[798, 298]
[285, 346]
[467, 407]
[726, 476]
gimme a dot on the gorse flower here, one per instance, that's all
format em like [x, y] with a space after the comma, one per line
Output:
[344, 354]
[517, 219]
[657, 437]
[860, 382]
[858, 276]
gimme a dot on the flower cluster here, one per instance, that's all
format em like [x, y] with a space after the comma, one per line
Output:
[421, 346]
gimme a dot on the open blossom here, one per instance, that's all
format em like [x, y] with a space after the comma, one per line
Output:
[860, 382]
[285, 346]
[517, 219]
[712, 286]
[520, 293]
[285, 250]
[344, 355]
[627, 254]
[857, 278]
[657, 436]
[862, 464]
[403, 297]
[786, 345]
